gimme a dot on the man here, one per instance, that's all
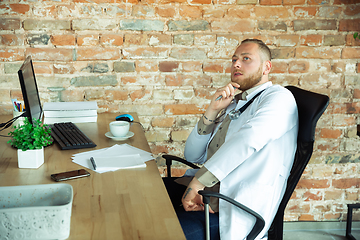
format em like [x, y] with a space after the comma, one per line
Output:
[247, 155]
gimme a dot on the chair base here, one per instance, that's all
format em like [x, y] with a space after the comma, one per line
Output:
[349, 220]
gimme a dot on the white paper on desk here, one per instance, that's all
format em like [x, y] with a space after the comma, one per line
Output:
[119, 162]
[83, 158]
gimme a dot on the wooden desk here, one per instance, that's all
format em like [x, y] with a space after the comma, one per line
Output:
[125, 204]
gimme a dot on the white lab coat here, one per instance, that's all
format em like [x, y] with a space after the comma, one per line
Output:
[255, 160]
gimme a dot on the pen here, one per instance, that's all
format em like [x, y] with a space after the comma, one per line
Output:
[93, 162]
[220, 97]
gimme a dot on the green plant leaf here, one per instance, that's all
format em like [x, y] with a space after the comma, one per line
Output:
[356, 35]
[30, 136]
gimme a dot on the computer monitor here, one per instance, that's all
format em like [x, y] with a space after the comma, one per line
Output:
[29, 90]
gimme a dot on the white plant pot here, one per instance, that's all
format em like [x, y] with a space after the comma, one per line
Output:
[30, 158]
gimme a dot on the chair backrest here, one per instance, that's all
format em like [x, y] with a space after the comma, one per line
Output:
[310, 107]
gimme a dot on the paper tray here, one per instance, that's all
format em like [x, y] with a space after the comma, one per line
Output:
[35, 211]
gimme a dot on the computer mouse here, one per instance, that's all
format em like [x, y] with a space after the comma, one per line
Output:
[124, 117]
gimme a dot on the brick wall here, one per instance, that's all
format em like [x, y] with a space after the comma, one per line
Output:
[163, 58]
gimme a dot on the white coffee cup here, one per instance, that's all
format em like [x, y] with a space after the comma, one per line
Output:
[119, 128]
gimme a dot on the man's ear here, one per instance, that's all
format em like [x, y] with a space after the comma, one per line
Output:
[267, 67]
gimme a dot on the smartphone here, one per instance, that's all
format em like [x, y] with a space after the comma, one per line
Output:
[69, 175]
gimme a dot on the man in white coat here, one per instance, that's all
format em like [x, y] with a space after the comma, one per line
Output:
[246, 155]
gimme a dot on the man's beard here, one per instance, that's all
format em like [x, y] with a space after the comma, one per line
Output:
[251, 81]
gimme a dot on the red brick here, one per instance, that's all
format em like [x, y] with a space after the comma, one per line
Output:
[239, 12]
[305, 11]
[322, 53]
[350, 53]
[352, 10]
[50, 54]
[190, 11]
[145, 52]
[182, 109]
[139, 94]
[128, 79]
[213, 67]
[136, 39]
[318, 2]
[313, 183]
[346, 25]
[188, 80]
[87, 40]
[288, 40]
[303, 208]
[169, 66]
[9, 55]
[98, 54]
[112, 39]
[94, 94]
[93, 1]
[352, 195]
[306, 217]
[333, 194]
[308, 196]
[298, 67]
[357, 93]
[353, 107]
[311, 40]
[337, 108]
[72, 95]
[203, 93]
[200, 1]
[165, 11]
[4, 95]
[191, 66]
[171, 1]
[234, 25]
[146, 66]
[42, 68]
[270, 2]
[12, 39]
[332, 216]
[293, 2]
[330, 133]
[163, 122]
[271, 12]
[15, 9]
[279, 67]
[116, 94]
[328, 146]
[10, 23]
[16, 94]
[63, 68]
[345, 1]
[213, 13]
[63, 40]
[346, 183]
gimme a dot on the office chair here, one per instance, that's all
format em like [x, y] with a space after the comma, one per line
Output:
[310, 107]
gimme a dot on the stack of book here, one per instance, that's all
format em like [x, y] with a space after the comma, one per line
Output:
[75, 112]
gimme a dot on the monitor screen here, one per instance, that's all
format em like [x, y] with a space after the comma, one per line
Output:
[29, 90]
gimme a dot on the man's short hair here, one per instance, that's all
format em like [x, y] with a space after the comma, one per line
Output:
[264, 49]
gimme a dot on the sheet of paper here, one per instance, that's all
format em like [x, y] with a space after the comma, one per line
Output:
[115, 151]
[119, 162]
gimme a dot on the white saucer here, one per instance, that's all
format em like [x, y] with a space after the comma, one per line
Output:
[128, 135]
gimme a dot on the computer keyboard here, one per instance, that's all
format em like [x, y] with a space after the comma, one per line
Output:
[69, 136]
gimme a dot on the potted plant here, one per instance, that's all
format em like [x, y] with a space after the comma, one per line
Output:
[30, 140]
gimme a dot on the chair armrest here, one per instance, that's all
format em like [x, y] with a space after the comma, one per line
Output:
[170, 158]
[259, 224]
